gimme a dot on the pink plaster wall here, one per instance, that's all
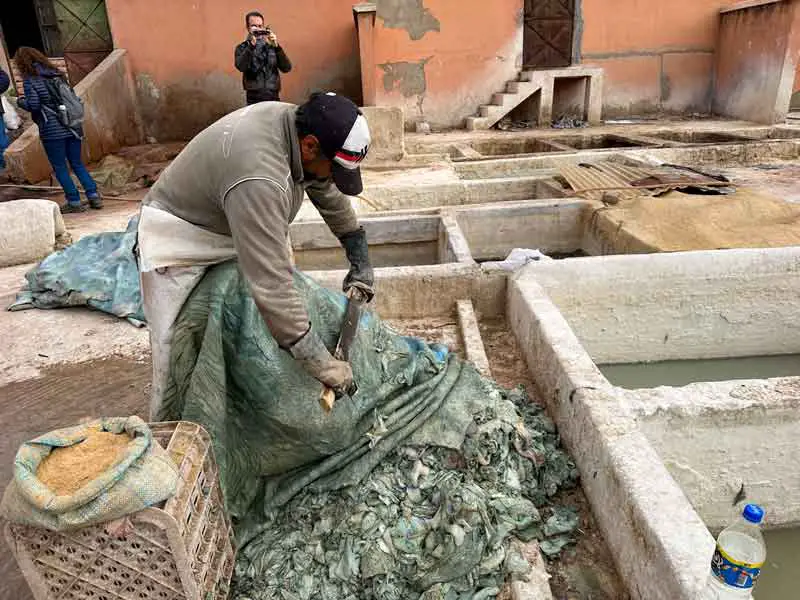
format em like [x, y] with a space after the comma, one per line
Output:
[445, 75]
[181, 53]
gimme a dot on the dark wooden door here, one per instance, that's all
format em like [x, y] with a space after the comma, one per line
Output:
[85, 33]
[48, 25]
[78, 30]
[547, 41]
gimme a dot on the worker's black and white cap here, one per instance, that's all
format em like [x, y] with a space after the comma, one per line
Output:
[343, 134]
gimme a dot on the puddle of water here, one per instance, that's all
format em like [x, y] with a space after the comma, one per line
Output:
[682, 372]
[778, 580]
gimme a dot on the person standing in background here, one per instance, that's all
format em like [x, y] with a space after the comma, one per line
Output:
[61, 144]
[5, 81]
[261, 60]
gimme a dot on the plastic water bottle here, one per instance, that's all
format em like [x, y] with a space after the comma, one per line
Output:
[739, 556]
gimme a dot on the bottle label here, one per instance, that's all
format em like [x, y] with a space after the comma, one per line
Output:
[733, 572]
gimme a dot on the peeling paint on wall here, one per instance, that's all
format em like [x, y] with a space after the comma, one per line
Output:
[408, 78]
[410, 15]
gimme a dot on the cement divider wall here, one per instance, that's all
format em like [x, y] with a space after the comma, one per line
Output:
[112, 121]
[465, 233]
[735, 153]
[683, 305]
[717, 437]
[430, 290]
[660, 545]
[456, 193]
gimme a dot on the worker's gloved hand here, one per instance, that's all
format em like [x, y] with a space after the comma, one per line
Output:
[360, 275]
[310, 352]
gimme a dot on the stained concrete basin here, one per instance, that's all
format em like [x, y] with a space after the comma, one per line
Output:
[393, 241]
[662, 466]
[555, 227]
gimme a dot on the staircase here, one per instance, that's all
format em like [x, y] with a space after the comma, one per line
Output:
[560, 90]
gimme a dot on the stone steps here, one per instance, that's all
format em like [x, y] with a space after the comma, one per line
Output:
[553, 86]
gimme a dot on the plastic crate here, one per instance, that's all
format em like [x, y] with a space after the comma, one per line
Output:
[181, 549]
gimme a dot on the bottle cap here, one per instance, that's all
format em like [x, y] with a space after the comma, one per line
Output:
[753, 513]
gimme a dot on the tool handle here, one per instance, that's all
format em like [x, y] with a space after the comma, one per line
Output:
[327, 398]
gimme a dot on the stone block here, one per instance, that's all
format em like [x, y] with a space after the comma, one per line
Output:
[387, 131]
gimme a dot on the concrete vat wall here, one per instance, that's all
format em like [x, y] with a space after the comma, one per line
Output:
[112, 120]
[757, 57]
[661, 465]
[682, 305]
[716, 437]
[182, 55]
[439, 60]
[633, 497]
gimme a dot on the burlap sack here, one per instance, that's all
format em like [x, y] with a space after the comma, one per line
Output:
[146, 476]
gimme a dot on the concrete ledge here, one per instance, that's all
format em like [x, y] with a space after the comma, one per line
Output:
[112, 121]
[471, 337]
[430, 290]
[454, 245]
[456, 193]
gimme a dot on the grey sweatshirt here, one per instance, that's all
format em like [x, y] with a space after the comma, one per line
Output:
[243, 177]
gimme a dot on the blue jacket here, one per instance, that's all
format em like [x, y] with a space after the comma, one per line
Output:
[5, 81]
[37, 101]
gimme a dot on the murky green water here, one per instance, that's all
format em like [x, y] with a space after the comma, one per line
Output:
[778, 579]
[681, 372]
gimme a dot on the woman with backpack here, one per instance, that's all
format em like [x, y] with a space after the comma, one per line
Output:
[62, 143]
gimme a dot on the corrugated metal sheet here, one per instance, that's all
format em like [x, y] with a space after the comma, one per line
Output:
[590, 182]
[598, 181]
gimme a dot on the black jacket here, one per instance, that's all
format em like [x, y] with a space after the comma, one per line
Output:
[261, 66]
[5, 81]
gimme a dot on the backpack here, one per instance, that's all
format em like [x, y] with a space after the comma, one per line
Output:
[68, 107]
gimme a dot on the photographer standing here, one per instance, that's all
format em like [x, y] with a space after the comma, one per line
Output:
[261, 61]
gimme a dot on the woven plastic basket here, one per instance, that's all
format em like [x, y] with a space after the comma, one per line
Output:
[180, 550]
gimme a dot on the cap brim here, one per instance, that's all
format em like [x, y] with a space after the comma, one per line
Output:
[347, 180]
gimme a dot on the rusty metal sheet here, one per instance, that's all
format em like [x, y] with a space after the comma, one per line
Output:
[608, 181]
[592, 183]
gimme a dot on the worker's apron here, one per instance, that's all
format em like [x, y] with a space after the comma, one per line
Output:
[173, 257]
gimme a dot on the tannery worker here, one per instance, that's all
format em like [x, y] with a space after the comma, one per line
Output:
[232, 192]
